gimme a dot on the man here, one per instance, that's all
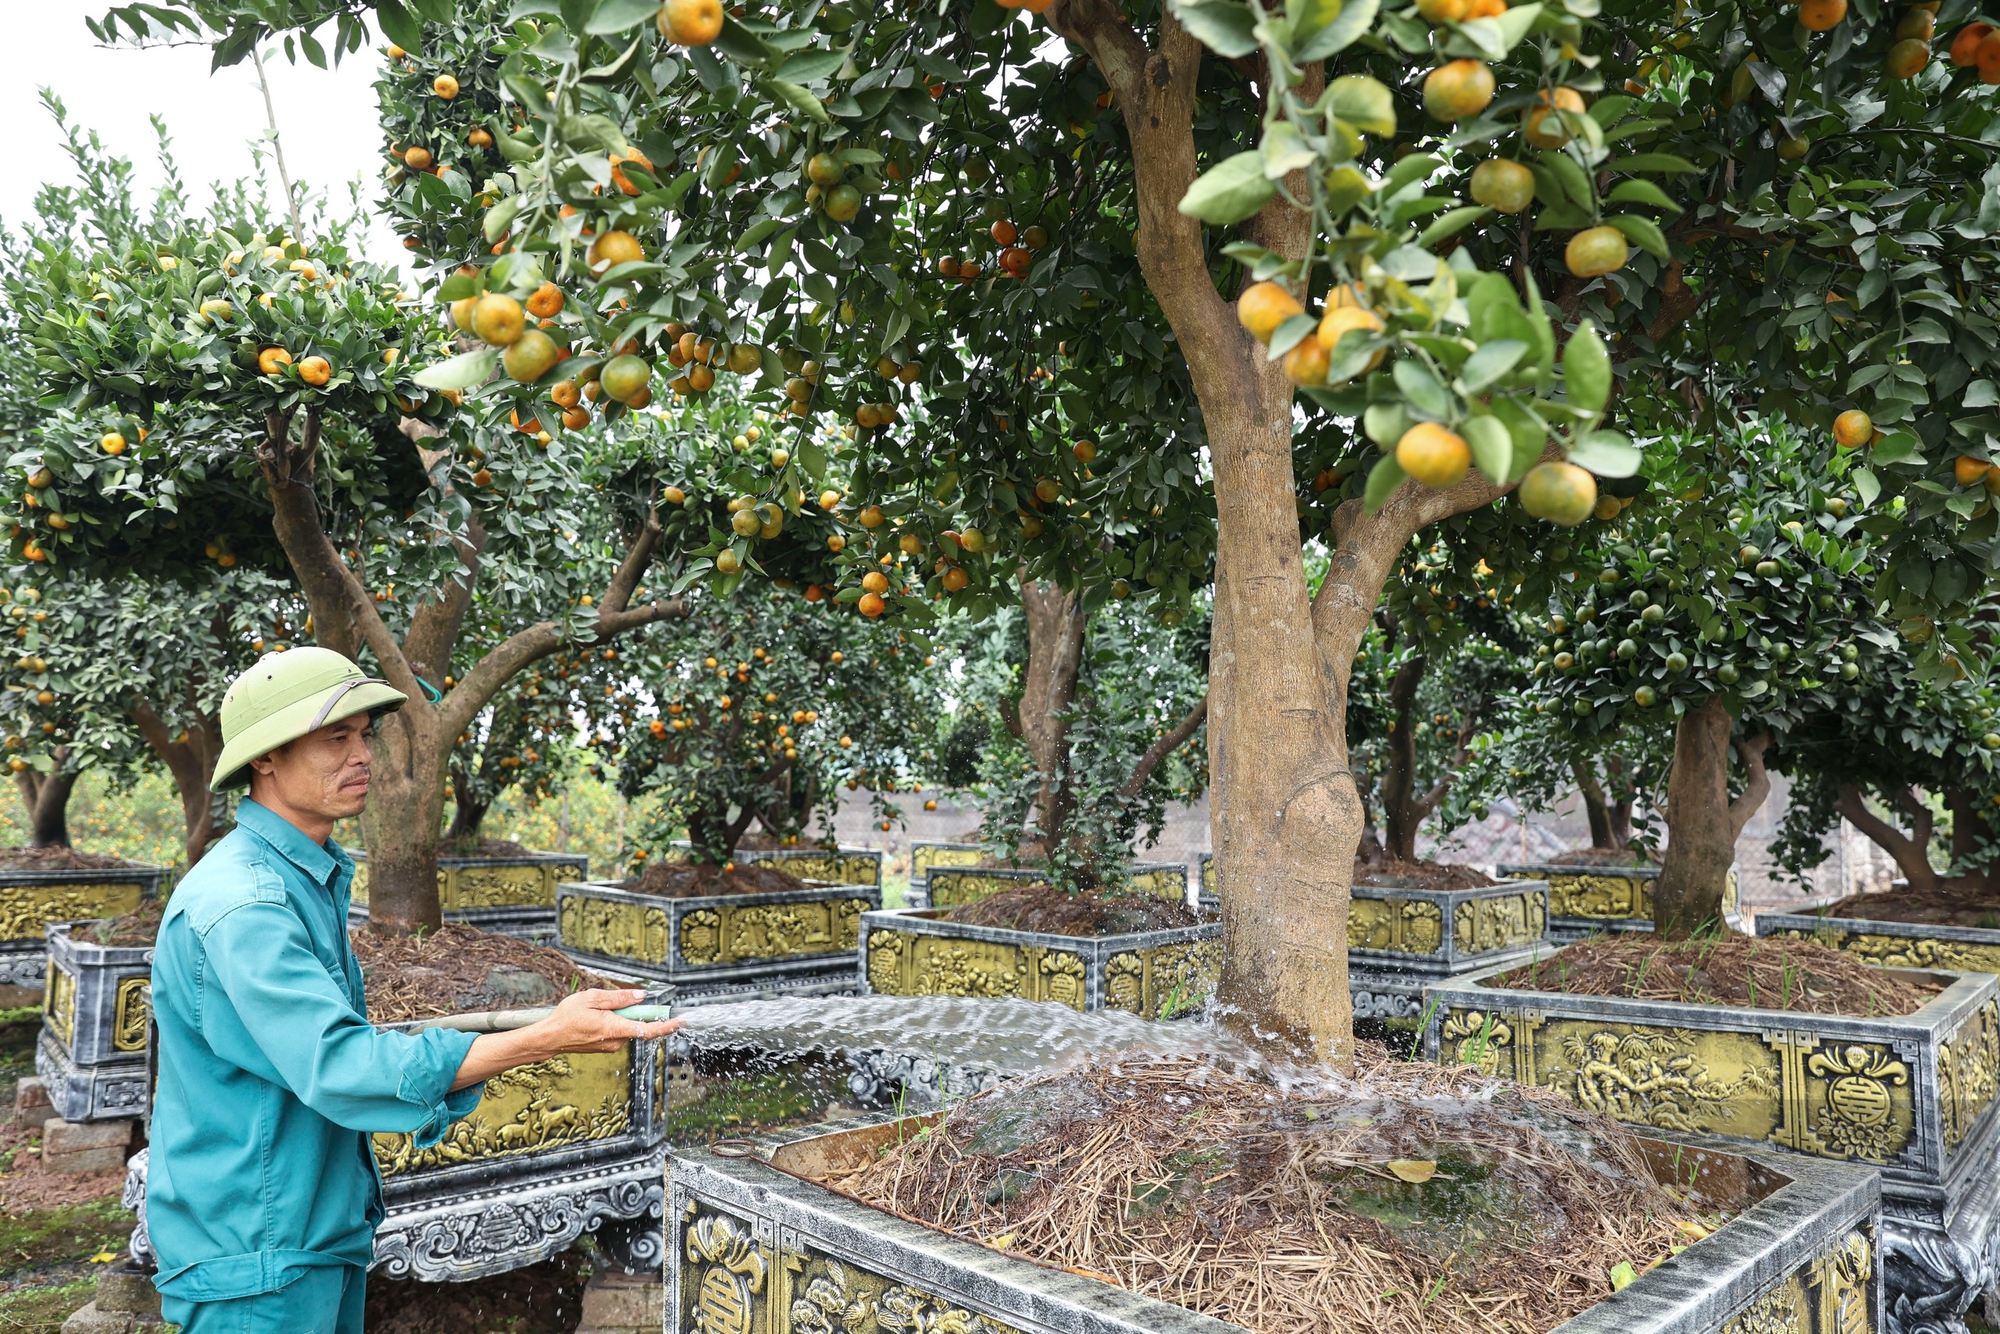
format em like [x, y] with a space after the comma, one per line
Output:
[262, 1194]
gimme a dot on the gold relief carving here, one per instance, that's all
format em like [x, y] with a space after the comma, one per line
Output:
[1125, 983]
[1780, 1311]
[950, 889]
[497, 887]
[847, 923]
[1481, 1040]
[1602, 897]
[1482, 925]
[1667, 1078]
[771, 930]
[59, 1002]
[1842, 1274]
[828, 1296]
[1969, 1072]
[925, 858]
[357, 888]
[1857, 1114]
[885, 961]
[1208, 874]
[1170, 885]
[1064, 979]
[1189, 973]
[567, 1100]
[562, 873]
[617, 930]
[831, 867]
[27, 910]
[701, 936]
[946, 967]
[1908, 951]
[1394, 925]
[728, 1281]
[130, 1015]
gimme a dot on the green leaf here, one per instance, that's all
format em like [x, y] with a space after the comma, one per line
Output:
[1642, 232]
[1384, 423]
[1295, 330]
[1309, 16]
[1222, 26]
[1356, 17]
[1365, 103]
[799, 99]
[458, 287]
[1230, 191]
[460, 372]
[1492, 446]
[756, 232]
[1662, 164]
[806, 66]
[1451, 224]
[1606, 453]
[1383, 479]
[499, 217]
[1635, 191]
[1415, 167]
[619, 15]
[741, 45]
[1587, 369]
[1866, 483]
[1490, 362]
[398, 25]
[1422, 390]
[1284, 150]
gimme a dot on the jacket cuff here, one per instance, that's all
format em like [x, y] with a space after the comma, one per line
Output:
[428, 1072]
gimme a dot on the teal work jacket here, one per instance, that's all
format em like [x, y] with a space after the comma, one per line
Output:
[270, 1076]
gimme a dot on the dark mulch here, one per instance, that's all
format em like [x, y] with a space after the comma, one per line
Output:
[1597, 857]
[1973, 906]
[1041, 907]
[1799, 976]
[135, 930]
[684, 880]
[58, 859]
[490, 847]
[1397, 874]
[541, 1299]
[26, 1184]
[459, 968]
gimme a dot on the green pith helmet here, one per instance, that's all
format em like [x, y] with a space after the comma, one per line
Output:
[287, 695]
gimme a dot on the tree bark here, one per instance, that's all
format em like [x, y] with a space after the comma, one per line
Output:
[190, 758]
[1702, 821]
[1911, 851]
[1054, 620]
[1400, 816]
[46, 797]
[1594, 807]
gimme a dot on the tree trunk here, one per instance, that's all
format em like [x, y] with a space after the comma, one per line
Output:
[468, 814]
[46, 797]
[190, 758]
[1623, 794]
[1054, 619]
[1702, 822]
[1400, 816]
[1594, 807]
[1911, 851]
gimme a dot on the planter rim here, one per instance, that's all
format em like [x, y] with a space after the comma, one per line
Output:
[1472, 892]
[360, 857]
[1875, 926]
[1768, 1239]
[1579, 868]
[134, 871]
[108, 954]
[890, 918]
[607, 889]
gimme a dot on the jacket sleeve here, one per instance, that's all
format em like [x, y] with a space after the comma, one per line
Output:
[285, 1019]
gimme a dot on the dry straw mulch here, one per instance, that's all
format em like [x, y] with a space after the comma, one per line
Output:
[1971, 905]
[1041, 907]
[1767, 972]
[1298, 1213]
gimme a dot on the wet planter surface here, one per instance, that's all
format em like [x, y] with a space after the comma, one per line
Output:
[1586, 900]
[514, 895]
[95, 1016]
[1912, 1096]
[720, 946]
[956, 885]
[914, 952]
[757, 1247]
[33, 901]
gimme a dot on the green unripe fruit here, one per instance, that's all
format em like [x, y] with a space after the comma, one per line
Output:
[1645, 697]
[1677, 662]
[1767, 569]
[1848, 671]
[1628, 649]
[1581, 708]
[1727, 674]
[1638, 598]
[1564, 662]
[1654, 614]
[746, 523]
[1848, 653]
[1608, 578]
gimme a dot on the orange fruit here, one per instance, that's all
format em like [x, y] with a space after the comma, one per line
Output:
[1084, 451]
[1433, 455]
[1263, 307]
[955, 579]
[532, 426]
[1306, 362]
[576, 419]
[1908, 57]
[273, 359]
[843, 203]
[870, 517]
[641, 399]
[1821, 15]
[1543, 127]
[531, 356]
[547, 300]
[948, 266]
[479, 138]
[1486, 9]
[1017, 259]
[445, 86]
[1918, 22]
[875, 582]
[1341, 320]
[1458, 89]
[1503, 184]
[565, 394]
[1004, 233]
[418, 159]
[619, 178]
[871, 605]
[1965, 46]
[1852, 429]
[112, 443]
[315, 370]
[1969, 470]
[691, 22]
[614, 248]
[1559, 492]
[625, 377]
[1595, 251]
[825, 170]
[461, 312]
[701, 379]
[498, 319]
[1987, 57]
[1445, 11]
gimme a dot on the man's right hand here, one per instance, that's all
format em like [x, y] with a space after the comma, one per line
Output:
[583, 1021]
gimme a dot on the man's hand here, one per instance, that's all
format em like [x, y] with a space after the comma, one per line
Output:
[584, 1021]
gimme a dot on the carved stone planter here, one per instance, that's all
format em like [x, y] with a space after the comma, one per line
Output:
[1400, 939]
[720, 946]
[33, 901]
[552, 1151]
[756, 1247]
[95, 1014]
[1964, 949]
[1591, 900]
[1913, 1096]
[953, 886]
[924, 856]
[515, 896]
[912, 952]
[845, 865]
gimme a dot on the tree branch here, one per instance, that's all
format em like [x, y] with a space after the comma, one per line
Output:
[1751, 750]
[1911, 854]
[1162, 748]
[433, 632]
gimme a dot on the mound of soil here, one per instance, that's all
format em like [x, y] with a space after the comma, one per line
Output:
[59, 859]
[134, 930]
[540, 1299]
[459, 968]
[1042, 907]
[1939, 907]
[490, 847]
[1396, 874]
[693, 880]
[1420, 1199]
[1597, 857]
[1800, 976]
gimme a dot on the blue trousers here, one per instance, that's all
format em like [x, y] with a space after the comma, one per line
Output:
[322, 1301]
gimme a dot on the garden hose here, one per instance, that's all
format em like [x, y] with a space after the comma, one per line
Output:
[504, 1021]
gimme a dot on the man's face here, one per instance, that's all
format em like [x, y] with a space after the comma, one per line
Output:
[323, 773]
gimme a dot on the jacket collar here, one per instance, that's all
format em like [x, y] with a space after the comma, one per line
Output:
[320, 863]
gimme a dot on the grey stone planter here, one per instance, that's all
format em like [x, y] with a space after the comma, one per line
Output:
[925, 855]
[1964, 949]
[755, 1247]
[552, 1151]
[912, 952]
[1591, 900]
[515, 896]
[719, 945]
[954, 886]
[847, 864]
[96, 1011]
[33, 901]
[1398, 940]
[1913, 1096]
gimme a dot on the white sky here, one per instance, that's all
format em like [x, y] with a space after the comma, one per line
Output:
[327, 118]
